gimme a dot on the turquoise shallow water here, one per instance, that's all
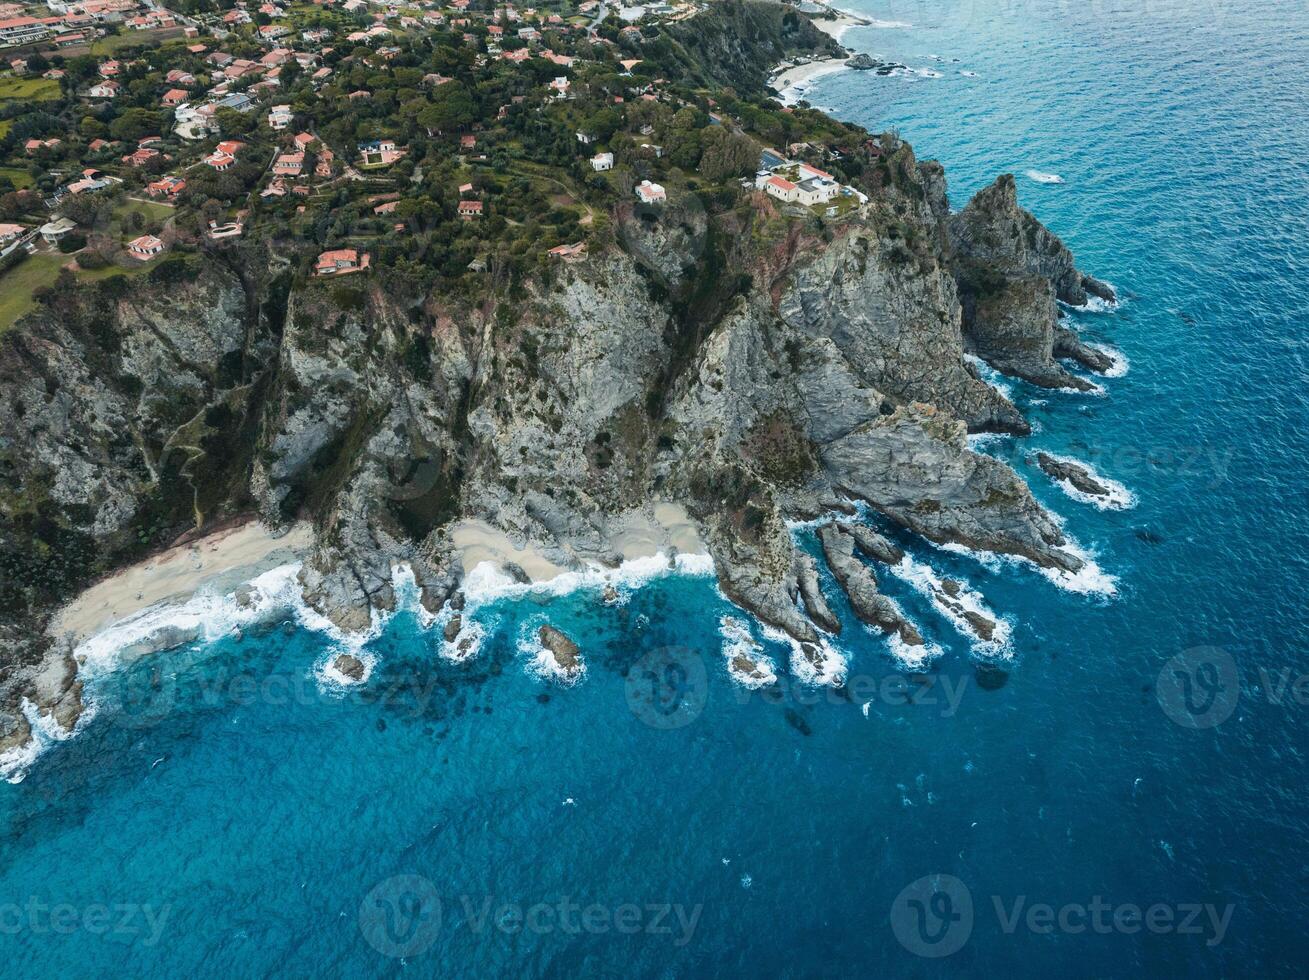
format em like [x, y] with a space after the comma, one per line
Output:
[238, 819]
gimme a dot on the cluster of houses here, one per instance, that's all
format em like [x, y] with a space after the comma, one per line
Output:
[74, 22]
[796, 182]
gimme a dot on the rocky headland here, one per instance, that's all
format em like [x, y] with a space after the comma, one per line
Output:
[747, 367]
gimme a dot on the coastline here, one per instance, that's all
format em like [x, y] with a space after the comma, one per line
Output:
[224, 559]
[791, 83]
[663, 528]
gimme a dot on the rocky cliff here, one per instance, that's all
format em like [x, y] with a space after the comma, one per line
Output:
[772, 367]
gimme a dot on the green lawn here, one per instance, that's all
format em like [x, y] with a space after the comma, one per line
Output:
[29, 89]
[114, 42]
[5, 126]
[18, 284]
[21, 178]
[152, 211]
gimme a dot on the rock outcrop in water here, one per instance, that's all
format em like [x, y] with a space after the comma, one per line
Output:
[1080, 477]
[1011, 270]
[755, 369]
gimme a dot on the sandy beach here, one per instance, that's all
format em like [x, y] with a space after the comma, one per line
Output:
[663, 528]
[792, 82]
[836, 27]
[222, 560]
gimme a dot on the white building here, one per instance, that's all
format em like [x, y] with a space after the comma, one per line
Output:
[651, 193]
[279, 117]
[602, 161]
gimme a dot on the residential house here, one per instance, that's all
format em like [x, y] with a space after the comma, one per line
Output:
[279, 117]
[340, 262]
[54, 231]
[602, 161]
[780, 188]
[650, 193]
[220, 161]
[289, 165]
[468, 210]
[573, 251]
[166, 187]
[140, 157]
[144, 247]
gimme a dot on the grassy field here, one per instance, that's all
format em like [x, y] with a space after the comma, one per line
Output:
[112, 43]
[153, 212]
[29, 89]
[18, 284]
[21, 178]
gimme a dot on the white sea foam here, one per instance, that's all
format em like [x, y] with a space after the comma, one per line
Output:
[978, 441]
[1090, 580]
[924, 580]
[739, 641]
[488, 583]
[1094, 304]
[991, 376]
[886, 25]
[16, 762]
[1121, 364]
[913, 658]
[832, 669]
[968, 74]
[1119, 497]
[1044, 178]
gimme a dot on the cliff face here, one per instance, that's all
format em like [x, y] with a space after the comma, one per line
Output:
[734, 43]
[757, 369]
[1011, 269]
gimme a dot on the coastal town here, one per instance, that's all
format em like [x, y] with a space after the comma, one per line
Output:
[441, 141]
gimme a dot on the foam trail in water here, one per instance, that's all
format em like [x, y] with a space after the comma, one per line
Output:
[828, 666]
[1090, 580]
[1119, 497]
[486, 583]
[738, 641]
[991, 376]
[925, 581]
[1120, 365]
[1044, 178]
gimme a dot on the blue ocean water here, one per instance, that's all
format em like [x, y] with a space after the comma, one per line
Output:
[240, 820]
